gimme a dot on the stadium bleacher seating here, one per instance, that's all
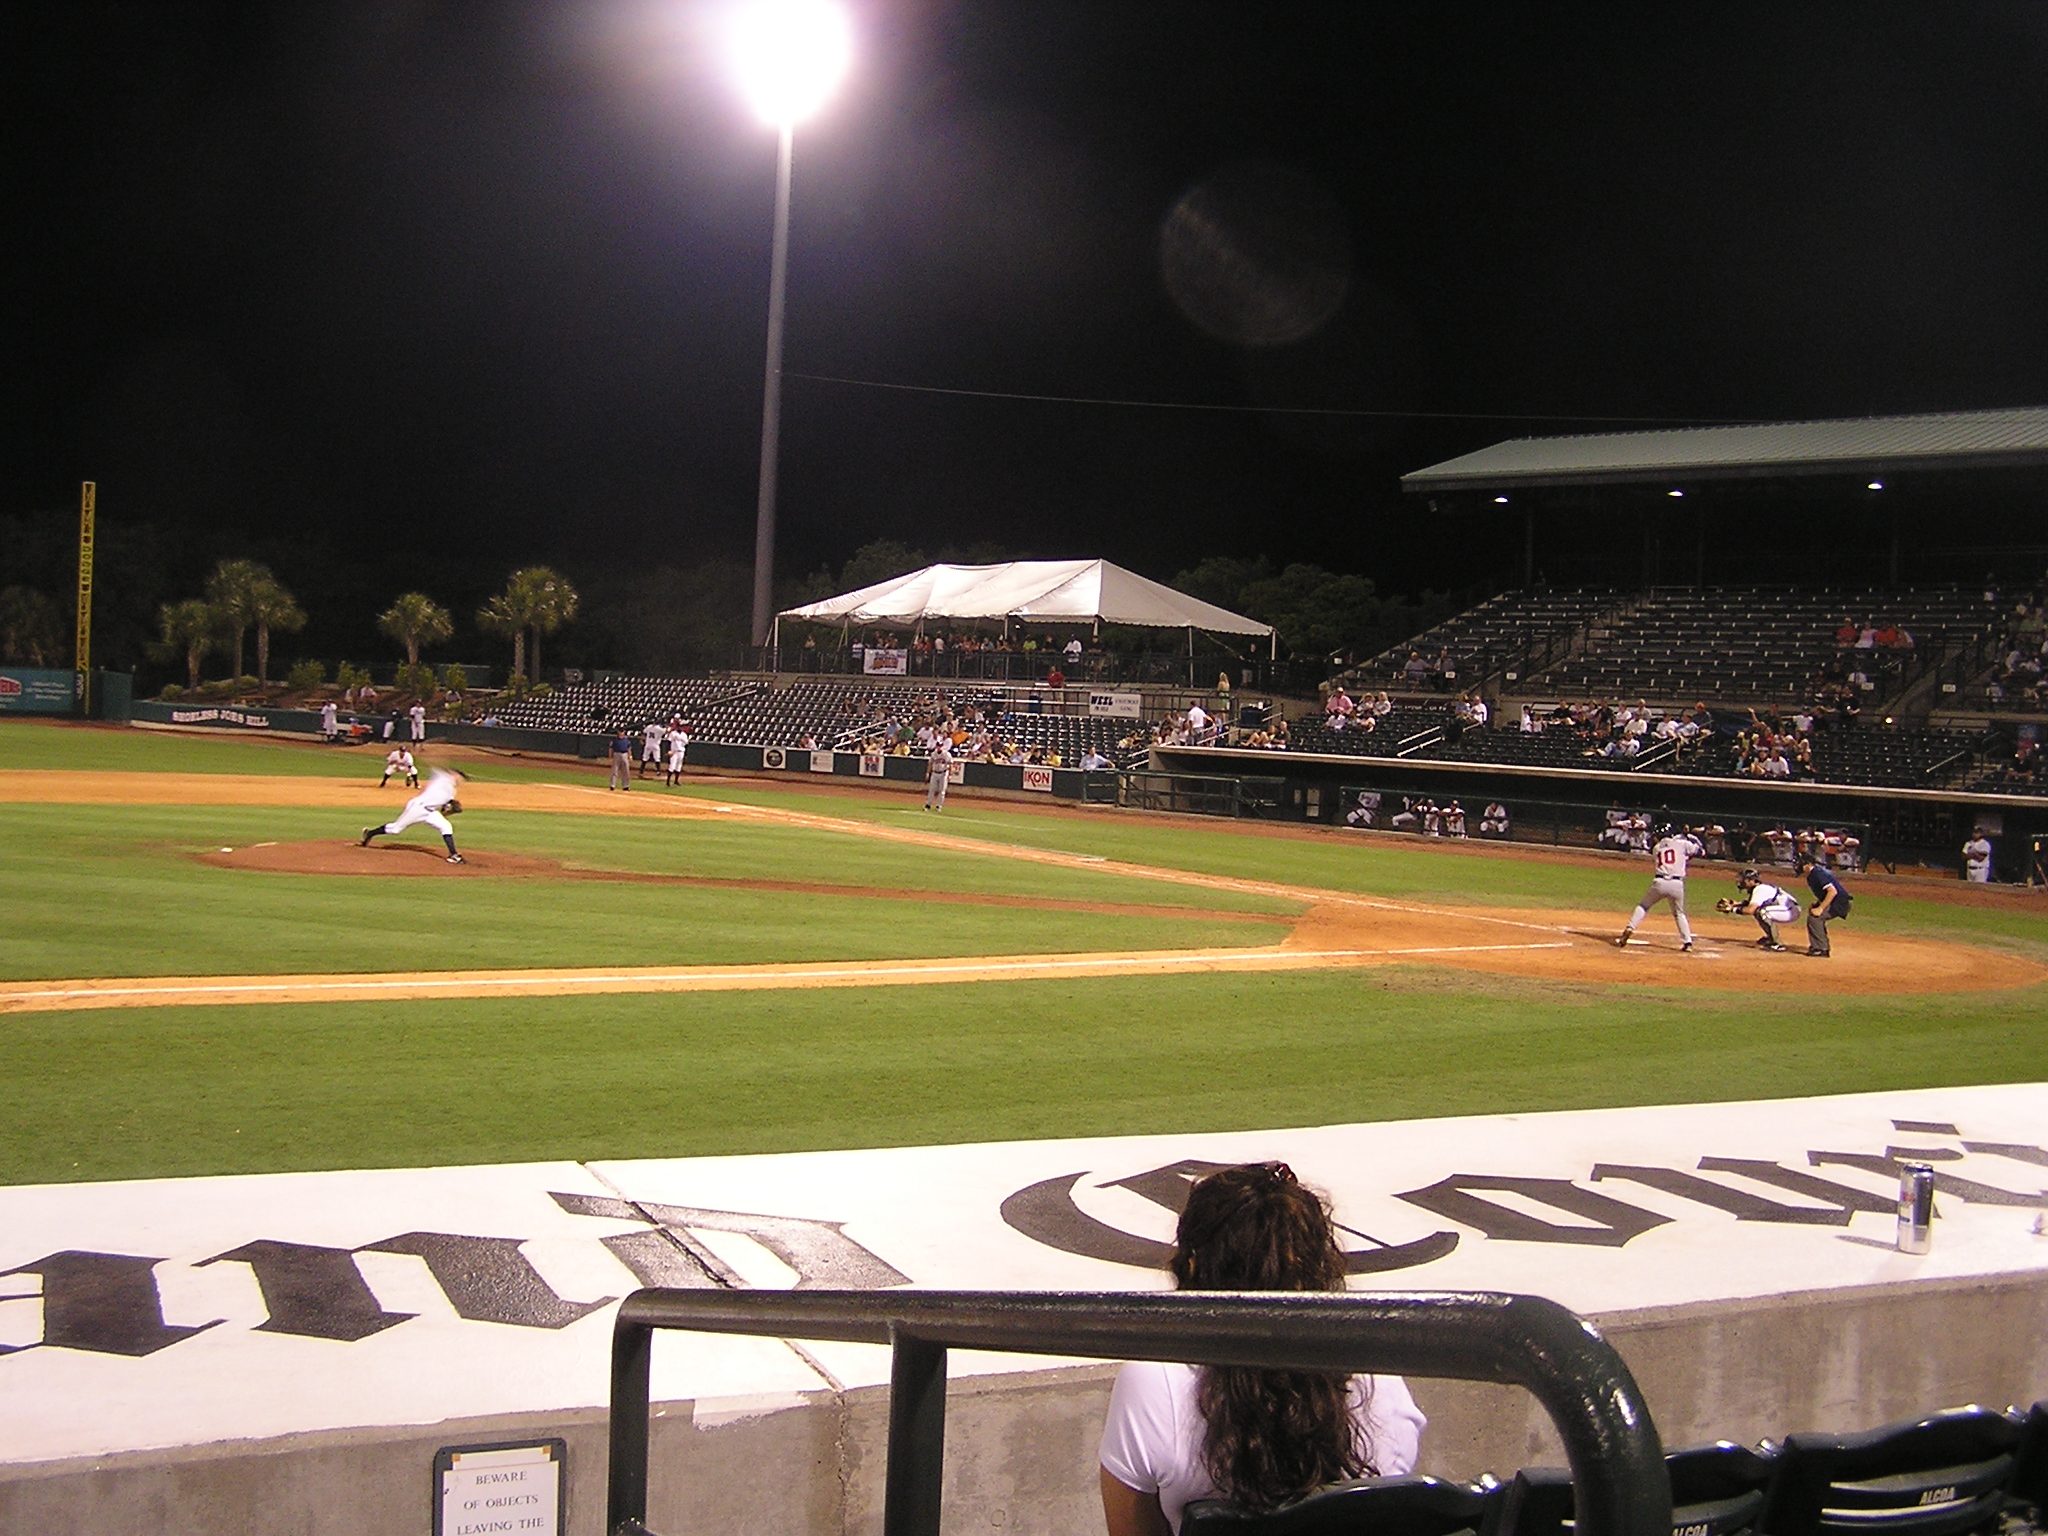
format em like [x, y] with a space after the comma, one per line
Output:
[1722, 644]
[1385, 1506]
[840, 714]
[1939, 1476]
[614, 701]
[1963, 1470]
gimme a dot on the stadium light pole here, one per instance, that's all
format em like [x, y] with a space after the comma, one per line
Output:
[788, 56]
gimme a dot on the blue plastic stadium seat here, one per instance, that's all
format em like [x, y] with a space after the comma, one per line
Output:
[1938, 1476]
[1367, 1506]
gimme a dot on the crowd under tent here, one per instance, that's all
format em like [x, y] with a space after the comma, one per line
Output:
[1026, 591]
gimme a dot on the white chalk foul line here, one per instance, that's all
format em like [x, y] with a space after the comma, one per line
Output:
[767, 977]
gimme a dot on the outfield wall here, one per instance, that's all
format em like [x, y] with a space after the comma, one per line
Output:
[289, 1351]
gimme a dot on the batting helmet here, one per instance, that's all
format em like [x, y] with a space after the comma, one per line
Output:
[1748, 879]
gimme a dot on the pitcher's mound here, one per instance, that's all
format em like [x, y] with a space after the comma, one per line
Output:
[383, 857]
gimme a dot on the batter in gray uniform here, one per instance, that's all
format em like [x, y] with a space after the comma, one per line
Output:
[1672, 851]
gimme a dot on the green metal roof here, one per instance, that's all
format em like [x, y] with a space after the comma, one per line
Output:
[1864, 445]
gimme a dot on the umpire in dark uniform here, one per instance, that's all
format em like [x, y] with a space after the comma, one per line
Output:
[1830, 900]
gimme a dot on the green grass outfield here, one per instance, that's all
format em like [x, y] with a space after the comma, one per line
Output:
[142, 1092]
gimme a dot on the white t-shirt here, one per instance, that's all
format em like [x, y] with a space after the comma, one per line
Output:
[1152, 1439]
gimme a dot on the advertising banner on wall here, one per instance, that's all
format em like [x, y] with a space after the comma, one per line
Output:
[26, 691]
[1039, 779]
[885, 663]
[1117, 706]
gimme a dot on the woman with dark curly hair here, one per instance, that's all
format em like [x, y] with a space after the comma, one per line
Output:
[1259, 1438]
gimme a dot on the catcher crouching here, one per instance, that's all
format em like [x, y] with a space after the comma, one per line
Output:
[1768, 904]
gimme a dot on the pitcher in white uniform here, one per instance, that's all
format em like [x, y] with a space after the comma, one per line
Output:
[433, 806]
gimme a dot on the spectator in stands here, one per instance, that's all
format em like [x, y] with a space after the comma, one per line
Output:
[1072, 651]
[1260, 1438]
[1339, 705]
[1416, 670]
[1094, 760]
[1382, 706]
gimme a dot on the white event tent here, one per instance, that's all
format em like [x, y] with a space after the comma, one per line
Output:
[1050, 591]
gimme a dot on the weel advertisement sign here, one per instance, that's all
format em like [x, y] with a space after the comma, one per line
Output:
[37, 692]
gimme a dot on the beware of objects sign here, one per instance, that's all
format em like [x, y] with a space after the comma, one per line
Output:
[480, 1490]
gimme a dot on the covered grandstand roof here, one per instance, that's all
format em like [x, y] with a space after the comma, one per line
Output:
[1861, 445]
[1050, 590]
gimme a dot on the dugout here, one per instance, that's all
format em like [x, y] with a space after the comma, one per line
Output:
[1568, 807]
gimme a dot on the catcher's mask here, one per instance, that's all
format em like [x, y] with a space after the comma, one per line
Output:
[1747, 880]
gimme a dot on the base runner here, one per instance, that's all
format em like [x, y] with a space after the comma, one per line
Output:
[433, 806]
[1672, 852]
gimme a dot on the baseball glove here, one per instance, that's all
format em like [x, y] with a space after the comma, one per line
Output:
[452, 808]
[1727, 904]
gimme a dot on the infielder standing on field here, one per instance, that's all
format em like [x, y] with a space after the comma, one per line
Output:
[418, 716]
[678, 740]
[432, 805]
[398, 763]
[1766, 903]
[940, 769]
[1673, 851]
[650, 747]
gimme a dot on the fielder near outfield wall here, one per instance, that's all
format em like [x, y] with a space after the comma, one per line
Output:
[183, 1354]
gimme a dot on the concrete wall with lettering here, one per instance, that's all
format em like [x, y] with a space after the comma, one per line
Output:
[1020, 1448]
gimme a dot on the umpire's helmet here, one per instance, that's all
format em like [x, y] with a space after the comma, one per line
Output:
[1748, 879]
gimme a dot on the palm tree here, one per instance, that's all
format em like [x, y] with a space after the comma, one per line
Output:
[192, 627]
[536, 600]
[416, 620]
[272, 607]
[31, 628]
[506, 614]
[554, 605]
[232, 591]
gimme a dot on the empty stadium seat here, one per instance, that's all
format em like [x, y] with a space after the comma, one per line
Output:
[1371, 1506]
[1716, 1490]
[1938, 1476]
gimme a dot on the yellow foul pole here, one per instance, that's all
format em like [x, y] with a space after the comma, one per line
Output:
[86, 495]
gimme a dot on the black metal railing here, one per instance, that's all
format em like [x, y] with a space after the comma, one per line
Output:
[1620, 1484]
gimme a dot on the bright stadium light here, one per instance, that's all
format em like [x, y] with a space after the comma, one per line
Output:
[1500, 501]
[1875, 485]
[789, 56]
[1674, 493]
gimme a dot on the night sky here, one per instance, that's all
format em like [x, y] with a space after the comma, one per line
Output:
[405, 294]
